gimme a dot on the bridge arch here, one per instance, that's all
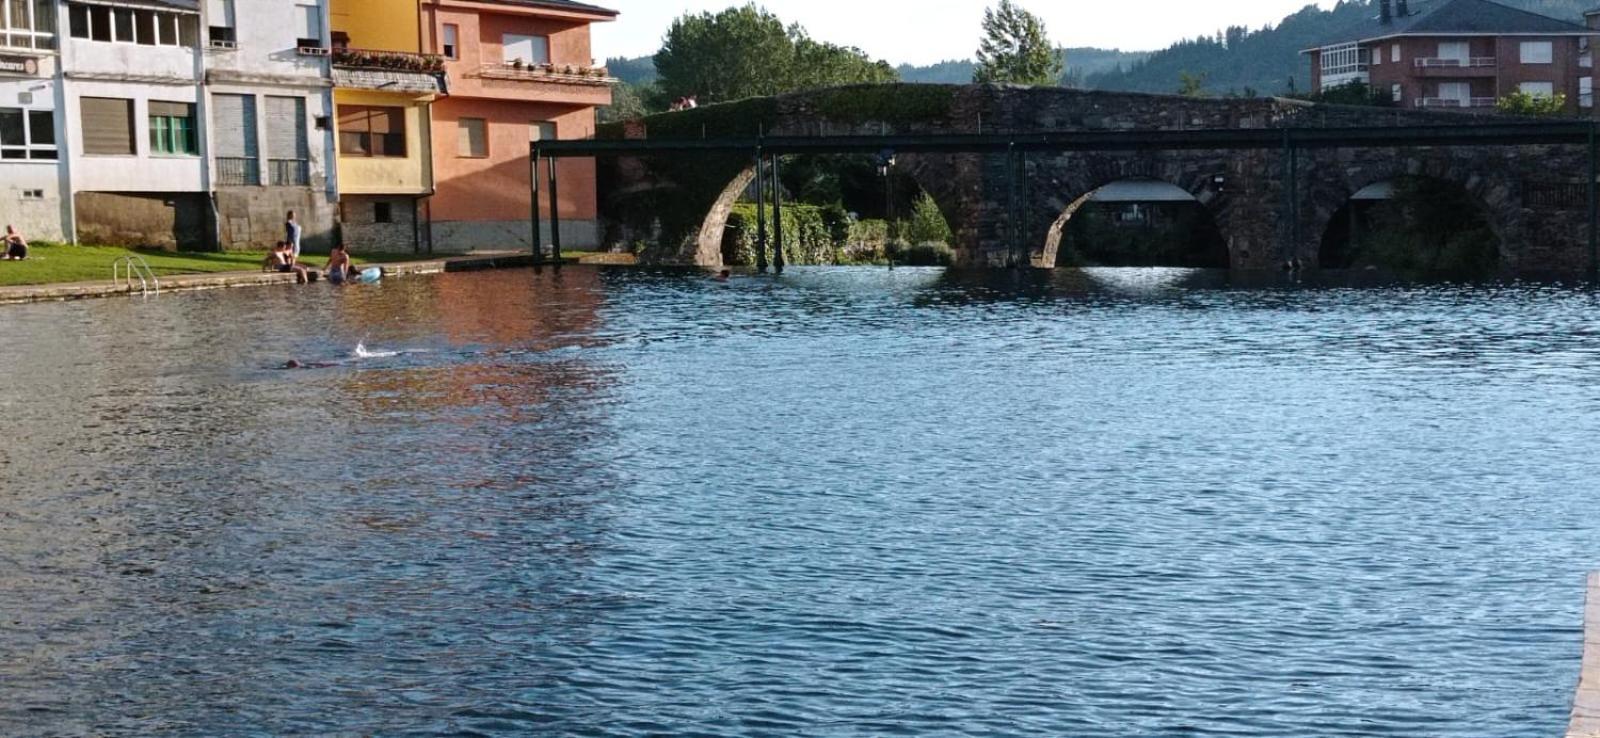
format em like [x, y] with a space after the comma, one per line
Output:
[1172, 179]
[1344, 208]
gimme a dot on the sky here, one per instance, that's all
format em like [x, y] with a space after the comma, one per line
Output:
[923, 32]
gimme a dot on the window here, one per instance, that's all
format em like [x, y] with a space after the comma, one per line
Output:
[1538, 89]
[1586, 92]
[1458, 51]
[33, 194]
[107, 125]
[132, 26]
[1398, 92]
[172, 129]
[1461, 92]
[27, 134]
[542, 130]
[308, 26]
[452, 36]
[1377, 56]
[382, 212]
[474, 138]
[1394, 53]
[372, 131]
[28, 24]
[1538, 52]
[527, 49]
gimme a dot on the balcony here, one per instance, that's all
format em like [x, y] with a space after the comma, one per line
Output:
[1477, 66]
[558, 73]
[1473, 103]
[388, 71]
[288, 172]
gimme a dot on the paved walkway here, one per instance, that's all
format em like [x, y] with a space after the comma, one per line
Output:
[182, 282]
[1586, 707]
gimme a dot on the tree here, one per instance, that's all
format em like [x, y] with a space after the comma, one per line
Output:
[627, 103]
[1524, 103]
[749, 52]
[1016, 49]
[1192, 85]
[927, 223]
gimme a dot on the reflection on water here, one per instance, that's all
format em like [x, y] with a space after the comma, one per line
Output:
[843, 501]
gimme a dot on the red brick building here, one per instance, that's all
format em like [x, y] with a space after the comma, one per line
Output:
[1461, 54]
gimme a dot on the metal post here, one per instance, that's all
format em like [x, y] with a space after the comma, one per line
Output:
[1011, 205]
[1594, 204]
[555, 213]
[1289, 176]
[777, 218]
[761, 212]
[533, 179]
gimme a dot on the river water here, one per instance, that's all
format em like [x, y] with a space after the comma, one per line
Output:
[840, 502]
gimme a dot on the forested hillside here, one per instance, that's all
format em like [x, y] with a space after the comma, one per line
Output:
[1240, 61]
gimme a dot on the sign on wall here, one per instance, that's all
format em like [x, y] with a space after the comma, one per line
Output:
[19, 65]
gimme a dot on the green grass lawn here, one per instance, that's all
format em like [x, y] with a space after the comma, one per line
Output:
[50, 263]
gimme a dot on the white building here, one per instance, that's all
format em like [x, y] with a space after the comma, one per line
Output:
[131, 76]
[270, 100]
[32, 175]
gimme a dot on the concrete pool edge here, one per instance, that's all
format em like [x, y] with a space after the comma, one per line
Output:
[66, 291]
[1586, 705]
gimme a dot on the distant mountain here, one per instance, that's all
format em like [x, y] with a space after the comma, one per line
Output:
[1238, 60]
[636, 71]
[1081, 63]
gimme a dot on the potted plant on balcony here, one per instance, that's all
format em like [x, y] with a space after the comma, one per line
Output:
[517, 63]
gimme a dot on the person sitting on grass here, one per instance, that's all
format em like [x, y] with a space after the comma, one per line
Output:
[339, 267]
[16, 247]
[282, 260]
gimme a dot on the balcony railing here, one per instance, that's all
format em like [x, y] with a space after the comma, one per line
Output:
[289, 172]
[238, 171]
[1476, 62]
[1455, 102]
[389, 61]
[568, 73]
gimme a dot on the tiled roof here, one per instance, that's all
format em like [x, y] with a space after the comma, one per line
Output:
[558, 5]
[1458, 17]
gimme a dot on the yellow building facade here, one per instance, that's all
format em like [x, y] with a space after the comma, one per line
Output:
[383, 90]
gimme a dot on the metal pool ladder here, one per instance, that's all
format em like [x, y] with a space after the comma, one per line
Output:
[127, 268]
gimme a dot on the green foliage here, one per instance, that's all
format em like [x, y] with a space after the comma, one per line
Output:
[1016, 49]
[1430, 227]
[1523, 103]
[1353, 93]
[889, 103]
[749, 52]
[627, 103]
[1192, 85]
[924, 254]
[926, 224]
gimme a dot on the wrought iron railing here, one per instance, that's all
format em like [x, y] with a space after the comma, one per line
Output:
[238, 171]
[1476, 62]
[289, 172]
[1455, 102]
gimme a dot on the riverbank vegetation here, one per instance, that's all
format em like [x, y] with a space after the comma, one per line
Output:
[829, 234]
[1427, 228]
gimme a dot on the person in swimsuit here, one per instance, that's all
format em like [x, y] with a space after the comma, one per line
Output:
[339, 265]
[282, 260]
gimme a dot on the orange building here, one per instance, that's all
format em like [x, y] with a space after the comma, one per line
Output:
[519, 71]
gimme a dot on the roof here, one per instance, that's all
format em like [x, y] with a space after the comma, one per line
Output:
[568, 5]
[1459, 18]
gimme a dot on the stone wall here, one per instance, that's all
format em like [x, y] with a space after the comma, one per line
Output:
[364, 231]
[251, 218]
[1249, 193]
[465, 237]
[172, 221]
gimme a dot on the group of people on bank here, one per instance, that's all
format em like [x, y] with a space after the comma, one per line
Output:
[285, 257]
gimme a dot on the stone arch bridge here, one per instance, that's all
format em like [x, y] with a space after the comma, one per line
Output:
[1008, 164]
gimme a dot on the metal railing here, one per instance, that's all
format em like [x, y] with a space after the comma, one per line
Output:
[128, 268]
[1455, 102]
[238, 171]
[288, 172]
[1476, 62]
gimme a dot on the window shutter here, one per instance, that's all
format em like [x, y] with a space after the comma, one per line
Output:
[107, 126]
[234, 119]
[286, 128]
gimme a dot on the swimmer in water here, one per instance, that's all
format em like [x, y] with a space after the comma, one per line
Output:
[724, 275]
[298, 364]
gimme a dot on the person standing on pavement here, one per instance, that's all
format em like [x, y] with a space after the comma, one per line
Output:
[291, 233]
